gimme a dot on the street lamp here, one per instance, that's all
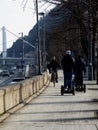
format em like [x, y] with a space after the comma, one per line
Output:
[97, 60]
[22, 62]
[22, 45]
[38, 40]
[90, 69]
[44, 47]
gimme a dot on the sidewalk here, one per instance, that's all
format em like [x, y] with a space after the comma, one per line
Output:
[51, 111]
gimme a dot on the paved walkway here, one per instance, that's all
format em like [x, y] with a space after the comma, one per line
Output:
[51, 111]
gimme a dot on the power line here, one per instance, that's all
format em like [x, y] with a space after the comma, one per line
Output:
[53, 2]
[48, 6]
[21, 39]
[25, 4]
[42, 4]
[12, 33]
[22, 2]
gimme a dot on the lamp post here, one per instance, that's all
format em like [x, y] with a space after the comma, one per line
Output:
[90, 69]
[44, 47]
[22, 62]
[38, 40]
[97, 60]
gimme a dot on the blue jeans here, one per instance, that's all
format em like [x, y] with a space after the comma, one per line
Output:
[67, 79]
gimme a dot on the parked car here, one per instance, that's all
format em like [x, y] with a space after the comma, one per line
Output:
[11, 72]
[0, 72]
[5, 73]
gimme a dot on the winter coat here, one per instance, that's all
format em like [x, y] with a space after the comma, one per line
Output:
[67, 63]
[54, 65]
[80, 66]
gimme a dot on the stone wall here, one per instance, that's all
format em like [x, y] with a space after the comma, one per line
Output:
[14, 94]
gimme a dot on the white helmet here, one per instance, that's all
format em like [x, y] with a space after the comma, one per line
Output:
[68, 52]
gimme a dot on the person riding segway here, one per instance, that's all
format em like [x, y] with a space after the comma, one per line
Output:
[68, 66]
[80, 70]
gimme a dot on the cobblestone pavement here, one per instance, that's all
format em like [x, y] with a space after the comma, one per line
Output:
[51, 111]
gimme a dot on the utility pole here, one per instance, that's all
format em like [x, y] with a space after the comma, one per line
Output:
[90, 70]
[22, 47]
[97, 61]
[97, 42]
[44, 45]
[38, 40]
[22, 61]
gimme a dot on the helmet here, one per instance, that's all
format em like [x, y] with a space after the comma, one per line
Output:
[68, 52]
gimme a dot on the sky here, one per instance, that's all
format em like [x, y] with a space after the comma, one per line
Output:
[17, 19]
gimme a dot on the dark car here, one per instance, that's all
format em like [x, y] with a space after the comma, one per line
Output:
[0, 72]
[5, 73]
[11, 72]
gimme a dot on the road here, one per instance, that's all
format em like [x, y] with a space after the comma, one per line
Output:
[51, 111]
[6, 80]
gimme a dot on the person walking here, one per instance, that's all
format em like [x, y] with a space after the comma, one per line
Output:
[68, 66]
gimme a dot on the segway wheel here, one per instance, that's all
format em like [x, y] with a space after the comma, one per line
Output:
[84, 88]
[62, 89]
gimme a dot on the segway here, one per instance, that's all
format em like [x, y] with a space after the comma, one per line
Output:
[63, 90]
[80, 88]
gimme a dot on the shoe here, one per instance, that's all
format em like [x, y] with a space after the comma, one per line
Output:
[65, 89]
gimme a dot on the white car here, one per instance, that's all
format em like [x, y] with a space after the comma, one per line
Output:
[5, 73]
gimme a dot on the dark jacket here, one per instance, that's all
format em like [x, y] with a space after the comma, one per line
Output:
[54, 65]
[67, 63]
[79, 66]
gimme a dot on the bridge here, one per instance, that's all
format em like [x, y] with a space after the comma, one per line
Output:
[13, 60]
[50, 110]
